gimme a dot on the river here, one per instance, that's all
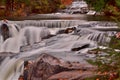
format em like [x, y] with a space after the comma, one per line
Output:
[45, 33]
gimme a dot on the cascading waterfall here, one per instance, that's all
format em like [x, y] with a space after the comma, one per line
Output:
[63, 23]
[94, 35]
[9, 30]
[25, 36]
[50, 23]
[33, 33]
[11, 69]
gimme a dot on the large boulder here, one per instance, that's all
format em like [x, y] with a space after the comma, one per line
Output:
[47, 67]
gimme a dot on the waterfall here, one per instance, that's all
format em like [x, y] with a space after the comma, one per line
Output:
[10, 69]
[50, 23]
[29, 38]
[25, 36]
[30, 32]
[8, 32]
[34, 34]
[100, 37]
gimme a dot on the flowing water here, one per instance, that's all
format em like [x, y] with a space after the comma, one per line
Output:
[29, 38]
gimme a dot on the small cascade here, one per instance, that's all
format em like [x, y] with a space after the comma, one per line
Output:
[100, 37]
[11, 69]
[50, 23]
[7, 34]
[26, 36]
[13, 29]
[8, 30]
[34, 34]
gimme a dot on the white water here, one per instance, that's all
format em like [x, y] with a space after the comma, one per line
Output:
[10, 69]
[9, 43]
[26, 36]
[59, 45]
[50, 23]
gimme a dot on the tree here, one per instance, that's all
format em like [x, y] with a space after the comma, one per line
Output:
[13, 5]
[109, 7]
[45, 6]
[22, 7]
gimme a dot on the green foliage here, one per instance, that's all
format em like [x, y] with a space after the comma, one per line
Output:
[27, 2]
[45, 6]
[23, 7]
[109, 63]
[62, 6]
[97, 4]
[109, 7]
[116, 43]
[118, 3]
[98, 77]
[2, 2]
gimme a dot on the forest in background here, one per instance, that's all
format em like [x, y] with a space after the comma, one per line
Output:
[109, 7]
[26, 7]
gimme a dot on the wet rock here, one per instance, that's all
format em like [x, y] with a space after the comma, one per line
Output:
[44, 67]
[70, 30]
[94, 52]
[79, 48]
[67, 30]
[72, 75]
[21, 78]
[47, 67]
[61, 31]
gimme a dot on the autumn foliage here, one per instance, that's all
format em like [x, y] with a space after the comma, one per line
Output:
[26, 7]
[66, 2]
